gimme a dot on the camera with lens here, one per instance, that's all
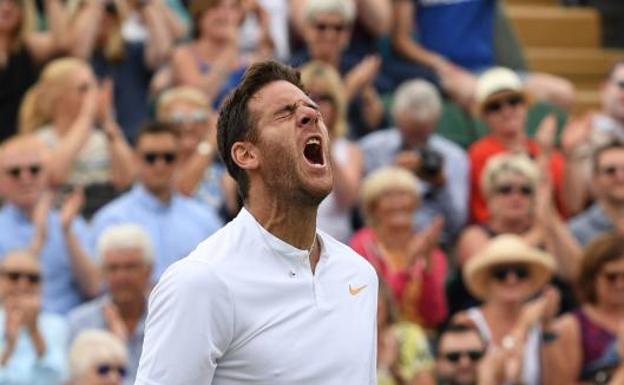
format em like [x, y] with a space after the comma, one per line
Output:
[431, 166]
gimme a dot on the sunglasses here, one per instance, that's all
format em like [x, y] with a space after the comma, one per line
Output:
[16, 276]
[337, 27]
[500, 273]
[455, 356]
[508, 189]
[152, 157]
[194, 117]
[611, 170]
[16, 171]
[105, 369]
[613, 277]
[497, 105]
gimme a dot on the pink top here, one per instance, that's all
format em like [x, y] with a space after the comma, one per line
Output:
[419, 293]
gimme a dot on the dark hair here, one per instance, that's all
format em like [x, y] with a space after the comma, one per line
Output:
[612, 145]
[601, 250]
[459, 327]
[236, 122]
[155, 128]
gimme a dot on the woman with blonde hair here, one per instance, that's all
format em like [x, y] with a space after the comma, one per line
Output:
[67, 109]
[407, 259]
[97, 357]
[326, 88]
[23, 49]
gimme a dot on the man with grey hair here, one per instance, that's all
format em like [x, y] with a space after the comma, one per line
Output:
[126, 258]
[441, 165]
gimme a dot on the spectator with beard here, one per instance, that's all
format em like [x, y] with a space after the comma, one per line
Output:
[459, 351]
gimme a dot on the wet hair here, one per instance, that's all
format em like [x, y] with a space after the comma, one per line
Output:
[236, 122]
[600, 251]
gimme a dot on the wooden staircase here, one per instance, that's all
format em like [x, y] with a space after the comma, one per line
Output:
[564, 41]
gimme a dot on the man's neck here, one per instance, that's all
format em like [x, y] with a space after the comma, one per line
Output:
[131, 312]
[164, 195]
[27, 211]
[515, 142]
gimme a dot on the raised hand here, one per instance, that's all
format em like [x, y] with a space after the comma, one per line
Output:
[541, 309]
[71, 207]
[114, 321]
[576, 134]
[40, 222]
[546, 133]
[105, 101]
[365, 72]
[30, 304]
[425, 242]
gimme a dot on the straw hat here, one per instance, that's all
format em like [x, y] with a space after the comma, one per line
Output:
[507, 249]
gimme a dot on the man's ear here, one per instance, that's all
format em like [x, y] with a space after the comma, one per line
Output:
[245, 155]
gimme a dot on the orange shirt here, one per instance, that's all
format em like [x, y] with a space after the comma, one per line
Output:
[482, 150]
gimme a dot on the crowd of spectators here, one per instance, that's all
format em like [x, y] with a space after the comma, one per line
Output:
[500, 255]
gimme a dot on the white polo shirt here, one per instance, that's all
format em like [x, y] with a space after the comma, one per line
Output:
[245, 308]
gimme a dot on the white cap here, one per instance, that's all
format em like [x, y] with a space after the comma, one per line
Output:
[496, 80]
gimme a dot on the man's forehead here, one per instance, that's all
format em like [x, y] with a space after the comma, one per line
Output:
[465, 339]
[276, 94]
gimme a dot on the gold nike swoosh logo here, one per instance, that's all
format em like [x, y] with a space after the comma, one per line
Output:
[356, 290]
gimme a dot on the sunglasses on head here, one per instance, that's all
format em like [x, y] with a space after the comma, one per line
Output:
[455, 356]
[16, 276]
[497, 105]
[507, 189]
[17, 171]
[105, 369]
[336, 27]
[152, 157]
[194, 117]
[613, 276]
[500, 273]
[611, 170]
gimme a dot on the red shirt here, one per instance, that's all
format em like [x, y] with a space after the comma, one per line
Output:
[485, 148]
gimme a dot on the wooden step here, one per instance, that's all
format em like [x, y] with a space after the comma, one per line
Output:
[586, 100]
[538, 2]
[555, 26]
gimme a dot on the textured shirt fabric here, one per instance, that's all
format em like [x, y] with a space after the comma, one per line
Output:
[590, 223]
[60, 288]
[91, 316]
[175, 228]
[451, 200]
[24, 367]
[245, 308]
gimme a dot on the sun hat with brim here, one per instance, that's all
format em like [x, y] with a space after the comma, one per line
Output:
[507, 249]
[494, 81]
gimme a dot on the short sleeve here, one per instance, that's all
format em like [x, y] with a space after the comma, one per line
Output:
[189, 326]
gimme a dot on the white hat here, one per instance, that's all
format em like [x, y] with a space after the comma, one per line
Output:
[496, 80]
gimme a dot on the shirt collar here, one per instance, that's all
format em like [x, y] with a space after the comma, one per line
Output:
[146, 198]
[15, 213]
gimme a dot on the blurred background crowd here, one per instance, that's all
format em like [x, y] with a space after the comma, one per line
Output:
[478, 148]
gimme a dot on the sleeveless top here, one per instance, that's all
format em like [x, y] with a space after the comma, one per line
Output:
[597, 344]
[234, 77]
[531, 357]
[331, 218]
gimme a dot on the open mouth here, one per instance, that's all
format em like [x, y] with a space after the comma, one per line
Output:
[313, 152]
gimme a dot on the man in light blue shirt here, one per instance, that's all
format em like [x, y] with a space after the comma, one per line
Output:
[27, 222]
[32, 343]
[176, 224]
[441, 165]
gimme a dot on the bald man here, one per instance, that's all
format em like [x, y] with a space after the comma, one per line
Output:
[28, 222]
[32, 343]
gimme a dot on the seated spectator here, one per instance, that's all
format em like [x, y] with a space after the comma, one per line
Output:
[589, 336]
[326, 88]
[32, 342]
[440, 164]
[56, 237]
[176, 224]
[327, 33]
[213, 61]
[505, 275]
[126, 256]
[605, 214]
[23, 51]
[125, 41]
[459, 351]
[503, 104]
[453, 40]
[97, 357]
[403, 354]
[75, 119]
[200, 172]
[409, 261]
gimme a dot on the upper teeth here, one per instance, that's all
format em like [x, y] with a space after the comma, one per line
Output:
[313, 141]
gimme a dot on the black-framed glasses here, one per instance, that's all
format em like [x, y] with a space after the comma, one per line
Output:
[611, 170]
[500, 273]
[336, 27]
[152, 157]
[455, 356]
[16, 171]
[507, 189]
[499, 104]
[16, 276]
[105, 369]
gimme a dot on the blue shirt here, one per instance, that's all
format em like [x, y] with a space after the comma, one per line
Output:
[451, 200]
[175, 227]
[24, 367]
[460, 30]
[91, 316]
[590, 223]
[60, 288]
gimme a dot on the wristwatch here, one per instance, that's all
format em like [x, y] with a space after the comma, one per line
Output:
[205, 149]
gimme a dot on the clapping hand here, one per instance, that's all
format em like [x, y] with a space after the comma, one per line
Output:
[425, 242]
[114, 321]
[546, 133]
[71, 207]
